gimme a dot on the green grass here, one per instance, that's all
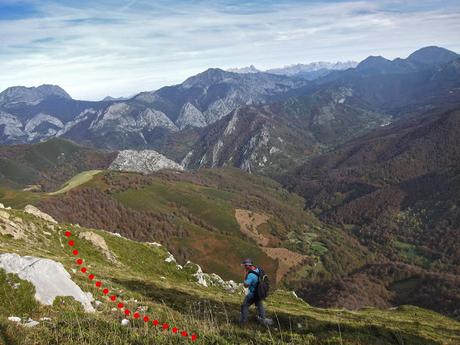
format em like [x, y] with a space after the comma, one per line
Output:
[205, 203]
[76, 181]
[410, 253]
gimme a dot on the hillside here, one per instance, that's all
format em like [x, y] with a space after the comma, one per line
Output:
[396, 190]
[148, 283]
[46, 166]
[199, 214]
[272, 139]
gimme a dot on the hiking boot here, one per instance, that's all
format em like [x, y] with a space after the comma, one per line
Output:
[265, 321]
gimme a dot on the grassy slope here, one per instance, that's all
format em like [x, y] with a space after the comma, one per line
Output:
[76, 181]
[180, 300]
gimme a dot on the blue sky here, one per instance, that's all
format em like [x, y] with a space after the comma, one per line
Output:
[118, 48]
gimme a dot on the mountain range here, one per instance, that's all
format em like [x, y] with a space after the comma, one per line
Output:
[284, 116]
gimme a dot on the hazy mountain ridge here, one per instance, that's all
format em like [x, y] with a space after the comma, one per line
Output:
[308, 71]
[198, 102]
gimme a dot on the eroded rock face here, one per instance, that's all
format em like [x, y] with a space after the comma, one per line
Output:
[145, 161]
[10, 227]
[49, 278]
[37, 213]
[98, 241]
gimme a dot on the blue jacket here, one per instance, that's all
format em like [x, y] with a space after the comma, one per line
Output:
[251, 282]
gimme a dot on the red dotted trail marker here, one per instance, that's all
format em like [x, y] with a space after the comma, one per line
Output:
[121, 305]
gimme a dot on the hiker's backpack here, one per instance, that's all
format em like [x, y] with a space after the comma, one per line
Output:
[263, 286]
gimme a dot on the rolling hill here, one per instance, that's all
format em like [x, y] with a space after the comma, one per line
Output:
[149, 283]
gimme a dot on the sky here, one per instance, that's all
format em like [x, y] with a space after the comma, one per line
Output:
[105, 47]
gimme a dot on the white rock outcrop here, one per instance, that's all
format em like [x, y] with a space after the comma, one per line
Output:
[206, 279]
[145, 161]
[37, 213]
[49, 278]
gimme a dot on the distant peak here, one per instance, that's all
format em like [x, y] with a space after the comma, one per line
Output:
[242, 70]
[373, 62]
[433, 55]
[32, 95]
[208, 77]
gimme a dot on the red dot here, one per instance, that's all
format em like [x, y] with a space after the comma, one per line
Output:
[156, 322]
[136, 315]
[98, 284]
[194, 337]
[91, 276]
[83, 269]
[120, 305]
[75, 252]
[127, 312]
[71, 243]
[146, 319]
[68, 233]
[165, 326]
[174, 329]
[184, 334]
[105, 291]
[113, 297]
[79, 261]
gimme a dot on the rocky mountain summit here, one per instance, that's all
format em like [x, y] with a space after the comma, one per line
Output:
[145, 161]
[31, 95]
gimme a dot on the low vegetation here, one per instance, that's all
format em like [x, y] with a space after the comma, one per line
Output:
[144, 279]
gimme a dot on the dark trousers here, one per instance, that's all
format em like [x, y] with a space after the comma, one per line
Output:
[247, 302]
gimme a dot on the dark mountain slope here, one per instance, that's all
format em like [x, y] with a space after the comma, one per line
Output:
[397, 190]
[48, 165]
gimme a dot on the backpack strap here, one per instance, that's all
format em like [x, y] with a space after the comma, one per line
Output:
[254, 272]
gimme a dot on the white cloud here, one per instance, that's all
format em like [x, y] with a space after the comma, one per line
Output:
[107, 49]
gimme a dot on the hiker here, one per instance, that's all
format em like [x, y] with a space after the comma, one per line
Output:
[251, 281]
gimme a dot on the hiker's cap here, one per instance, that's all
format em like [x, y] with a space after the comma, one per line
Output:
[247, 262]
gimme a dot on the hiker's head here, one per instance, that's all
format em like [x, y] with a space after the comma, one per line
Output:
[248, 265]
